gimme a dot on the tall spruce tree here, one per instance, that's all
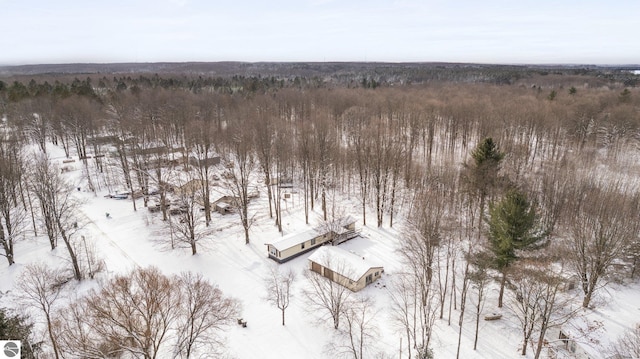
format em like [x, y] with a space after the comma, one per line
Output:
[482, 174]
[486, 160]
[513, 225]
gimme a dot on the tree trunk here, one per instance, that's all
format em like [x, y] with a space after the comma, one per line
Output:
[269, 194]
[543, 332]
[7, 246]
[74, 258]
[591, 286]
[364, 208]
[306, 195]
[33, 217]
[282, 317]
[206, 193]
[324, 200]
[54, 343]
[51, 232]
[478, 307]
[587, 298]
[194, 250]
[503, 282]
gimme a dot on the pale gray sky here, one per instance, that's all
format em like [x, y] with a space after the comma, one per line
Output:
[490, 31]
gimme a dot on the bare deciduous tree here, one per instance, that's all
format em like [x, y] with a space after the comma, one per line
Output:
[264, 135]
[135, 312]
[628, 345]
[12, 212]
[201, 136]
[59, 207]
[325, 295]
[76, 336]
[187, 224]
[40, 288]
[39, 126]
[480, 278]
[361, 154]
[356, 336]
[120, 111]
[279, 288]
[415, 314]
[602, 222]
[204, 312]
[241, 164]
[147, 314]
[536, 301]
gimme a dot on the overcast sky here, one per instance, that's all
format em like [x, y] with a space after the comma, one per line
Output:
[489, 31]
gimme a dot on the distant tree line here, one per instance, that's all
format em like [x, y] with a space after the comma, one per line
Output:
[525, 181]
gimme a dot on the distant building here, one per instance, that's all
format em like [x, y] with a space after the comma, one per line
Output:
[193, 186]
[566, 346]
[344, 268]
[208, 162]
[225, 204]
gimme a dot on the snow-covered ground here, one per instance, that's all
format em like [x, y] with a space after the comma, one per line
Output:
[129, 239]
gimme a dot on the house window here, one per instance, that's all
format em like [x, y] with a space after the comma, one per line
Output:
[313, 241]
[302, 246]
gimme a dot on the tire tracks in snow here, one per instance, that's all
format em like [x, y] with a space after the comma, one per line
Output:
[104, 235]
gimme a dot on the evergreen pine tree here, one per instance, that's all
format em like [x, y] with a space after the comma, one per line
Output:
[513, 226]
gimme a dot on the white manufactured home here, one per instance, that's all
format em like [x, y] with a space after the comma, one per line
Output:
[293, 245]
[344, 268]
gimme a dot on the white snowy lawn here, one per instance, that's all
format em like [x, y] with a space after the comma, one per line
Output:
[129, 239]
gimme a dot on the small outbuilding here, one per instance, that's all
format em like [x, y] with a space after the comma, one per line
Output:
[224, 204]
[345, 268]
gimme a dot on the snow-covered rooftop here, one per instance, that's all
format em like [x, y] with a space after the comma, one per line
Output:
[293, 239]
[342, 262]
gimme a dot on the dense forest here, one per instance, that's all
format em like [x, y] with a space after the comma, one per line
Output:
[522, 175]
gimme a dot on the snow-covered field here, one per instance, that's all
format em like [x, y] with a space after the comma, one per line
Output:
[129, 239]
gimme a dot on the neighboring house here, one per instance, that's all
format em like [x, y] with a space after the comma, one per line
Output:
[191, 187]
[224, 204]
[565, 346]
[282, 182]
[345, 268]
[223, 208]
[160, 150]
[295, 244]
[208, 162]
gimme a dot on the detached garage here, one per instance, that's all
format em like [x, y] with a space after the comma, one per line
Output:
[344, 268]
